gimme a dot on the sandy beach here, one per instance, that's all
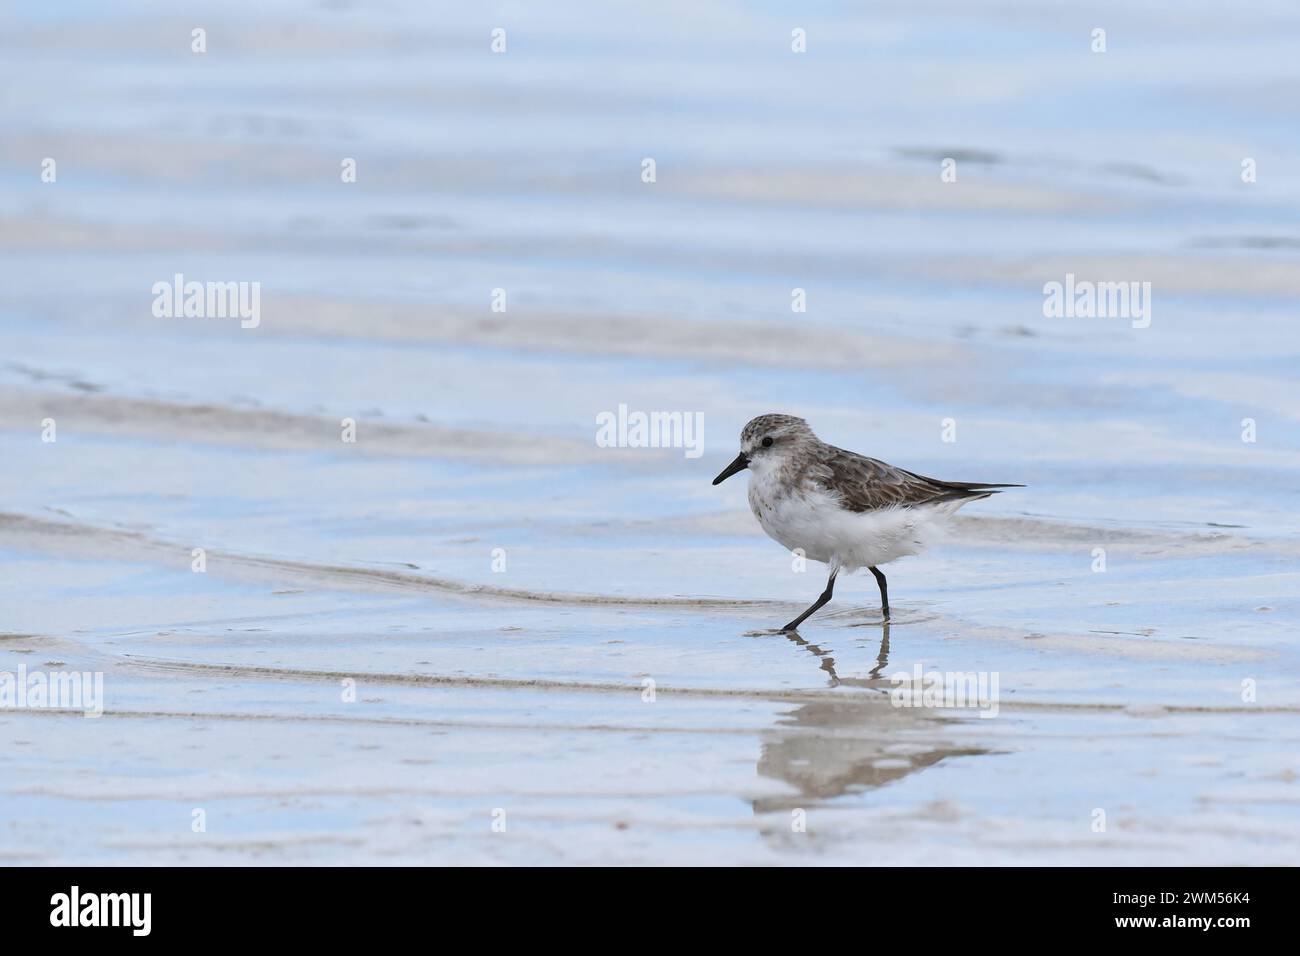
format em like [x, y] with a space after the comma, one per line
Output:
[362, 584]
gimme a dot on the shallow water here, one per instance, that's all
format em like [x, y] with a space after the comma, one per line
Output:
[524, 689]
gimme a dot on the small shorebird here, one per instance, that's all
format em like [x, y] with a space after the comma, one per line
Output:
[842, 509]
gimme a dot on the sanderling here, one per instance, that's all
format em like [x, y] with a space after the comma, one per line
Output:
[842, 509]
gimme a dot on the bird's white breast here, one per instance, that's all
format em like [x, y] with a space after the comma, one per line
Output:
[807, 517]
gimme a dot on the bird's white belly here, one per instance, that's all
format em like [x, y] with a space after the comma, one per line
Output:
[813, 521]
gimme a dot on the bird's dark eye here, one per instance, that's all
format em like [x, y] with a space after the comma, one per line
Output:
[767, 442]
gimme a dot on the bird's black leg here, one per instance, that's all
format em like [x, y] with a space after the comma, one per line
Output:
[884, 591]
[825, 596]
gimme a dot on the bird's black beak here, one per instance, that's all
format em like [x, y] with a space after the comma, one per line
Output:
[740, 464]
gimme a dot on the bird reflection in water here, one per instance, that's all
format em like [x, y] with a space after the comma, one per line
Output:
[872, 679]
[833, 747]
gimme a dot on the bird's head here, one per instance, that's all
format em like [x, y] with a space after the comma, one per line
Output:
[766, 441]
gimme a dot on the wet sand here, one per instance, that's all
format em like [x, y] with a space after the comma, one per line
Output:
[458, 619]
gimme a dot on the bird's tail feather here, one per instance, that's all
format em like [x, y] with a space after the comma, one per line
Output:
[965, 491]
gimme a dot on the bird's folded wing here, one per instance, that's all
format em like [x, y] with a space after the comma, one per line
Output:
[866, 484]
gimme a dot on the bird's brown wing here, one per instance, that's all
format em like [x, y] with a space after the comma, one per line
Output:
[867, 484]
